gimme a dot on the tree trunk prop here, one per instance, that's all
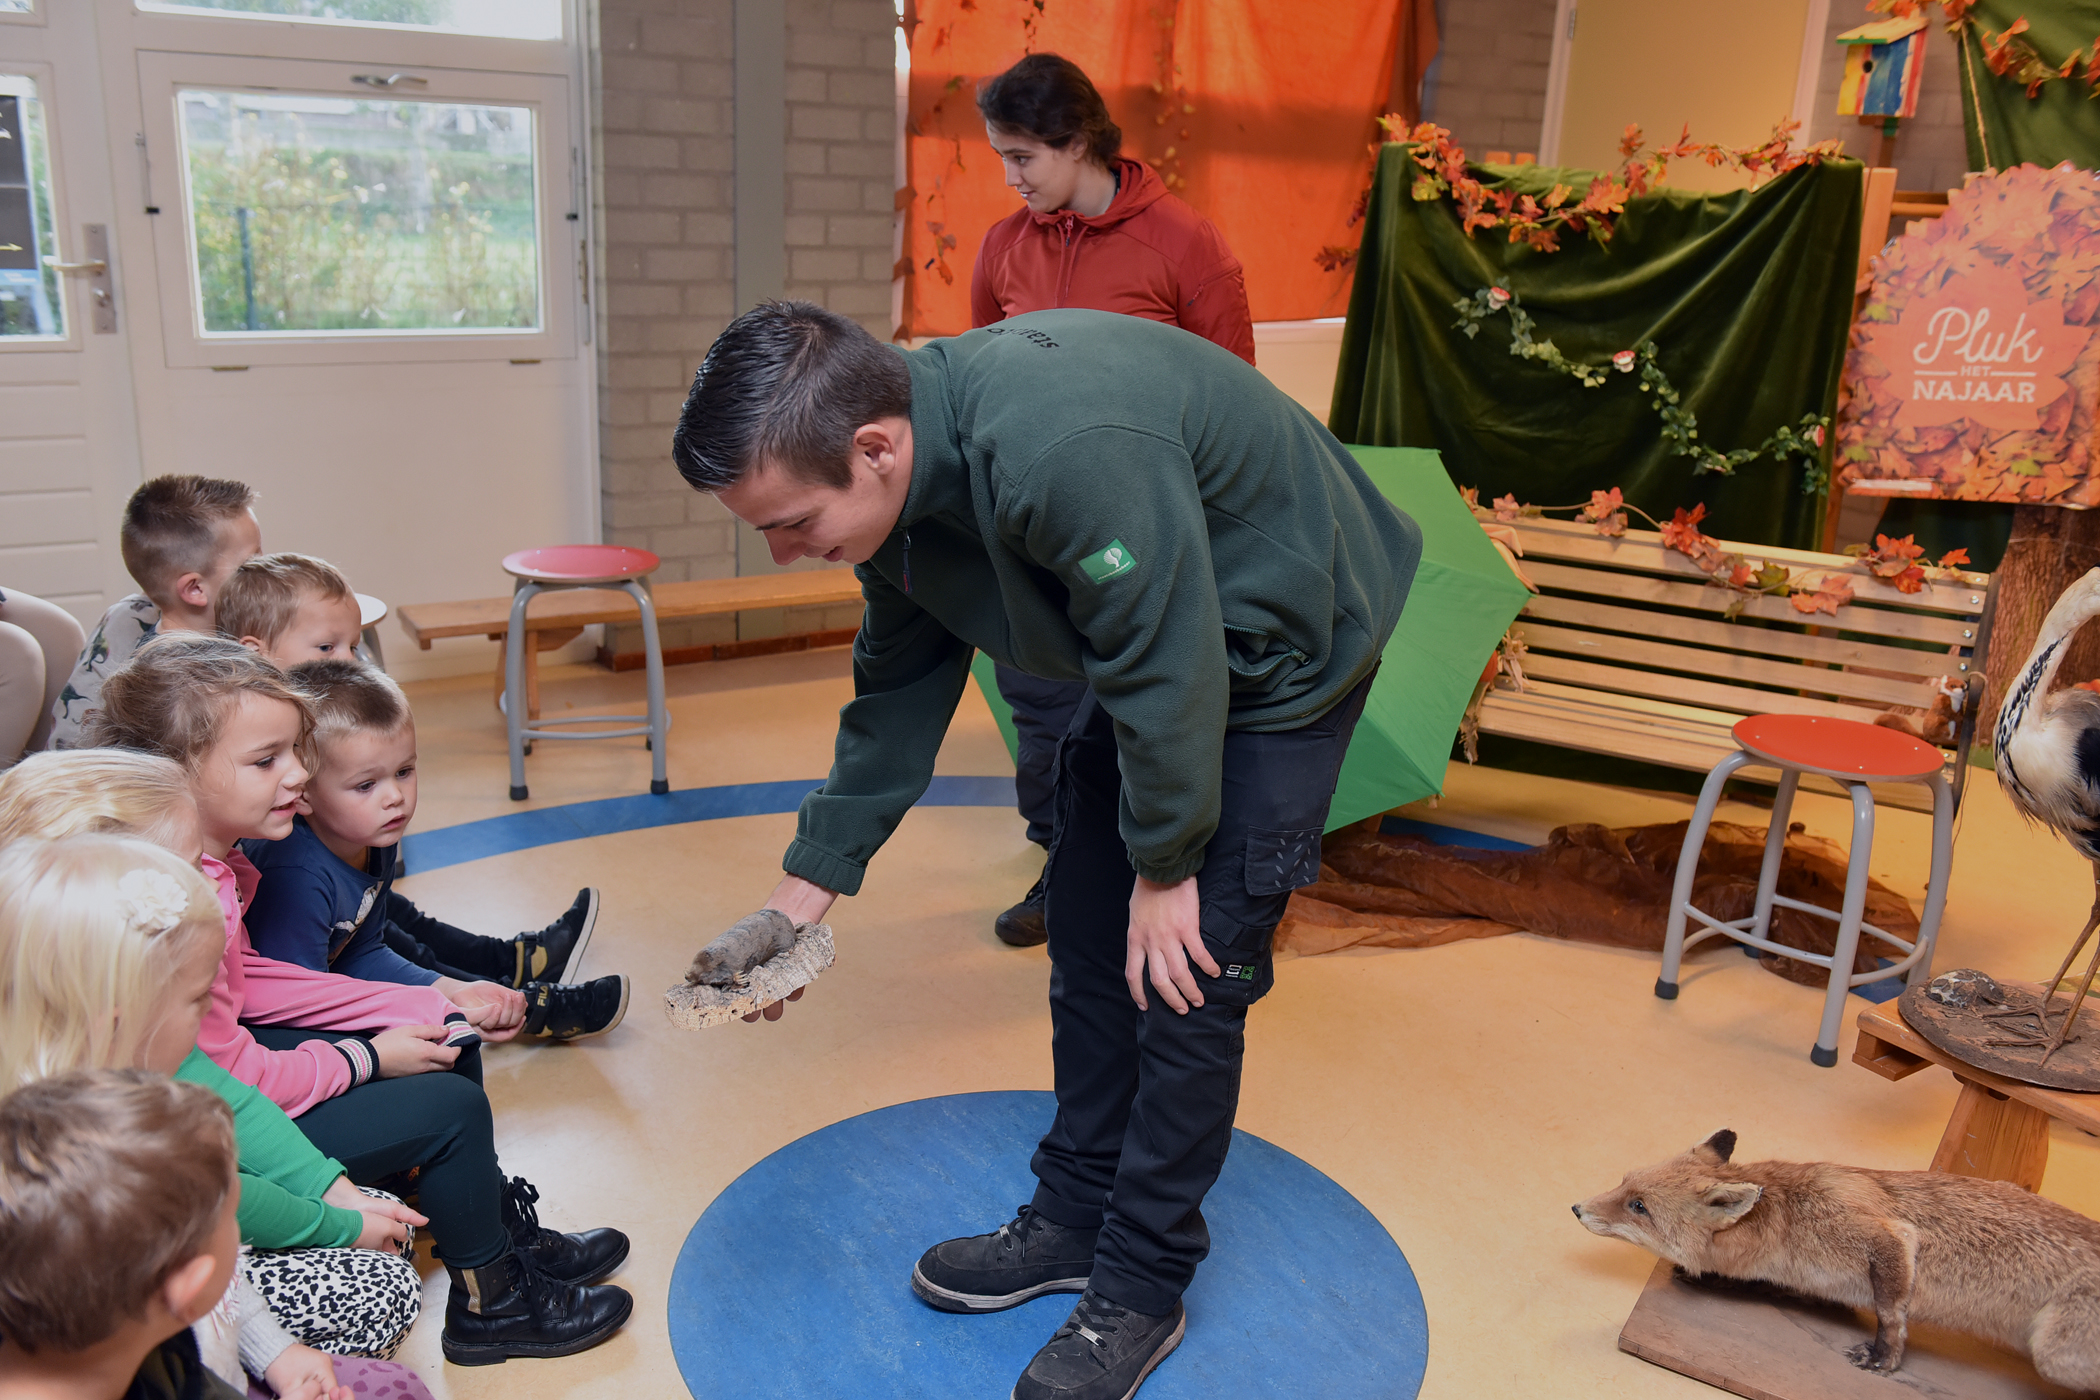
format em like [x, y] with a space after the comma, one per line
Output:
[2051, 548]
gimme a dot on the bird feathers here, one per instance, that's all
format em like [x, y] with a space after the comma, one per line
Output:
[2048, 745]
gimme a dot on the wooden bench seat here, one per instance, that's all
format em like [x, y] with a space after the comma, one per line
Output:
[1630, 652]
[555, 619]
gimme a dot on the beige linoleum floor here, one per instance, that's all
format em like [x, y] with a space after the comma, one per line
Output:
[1466, 1094]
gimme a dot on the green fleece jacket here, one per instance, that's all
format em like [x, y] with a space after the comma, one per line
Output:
[1104, 498]
[282, 1174]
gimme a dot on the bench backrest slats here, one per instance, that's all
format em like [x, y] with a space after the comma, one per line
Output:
[1742, 700]
[1642, 550]
[1611, 648]
[1751, 637]
[1711, 598]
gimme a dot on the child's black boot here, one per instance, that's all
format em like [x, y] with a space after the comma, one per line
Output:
[555, 953]
[583, 1258]
[508, 1308]
[554, 1012]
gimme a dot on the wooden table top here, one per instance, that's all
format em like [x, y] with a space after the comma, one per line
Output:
[1889, 1047]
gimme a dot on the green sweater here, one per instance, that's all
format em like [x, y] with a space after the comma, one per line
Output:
[1104, 498]
[282, 1174]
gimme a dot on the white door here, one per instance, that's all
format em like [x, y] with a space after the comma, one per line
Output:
[360, 278]
[68, 448]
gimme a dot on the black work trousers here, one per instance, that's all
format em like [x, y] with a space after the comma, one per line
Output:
[438, 1121]
[1042, 713]
[1145, 1099]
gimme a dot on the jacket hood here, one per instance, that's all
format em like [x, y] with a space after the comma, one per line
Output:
[1139, 189]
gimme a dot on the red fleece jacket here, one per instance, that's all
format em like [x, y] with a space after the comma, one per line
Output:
[1148, 254]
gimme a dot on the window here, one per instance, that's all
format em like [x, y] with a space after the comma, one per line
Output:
[338, 216]
[32, 305]
[17, 7]
[500, 19]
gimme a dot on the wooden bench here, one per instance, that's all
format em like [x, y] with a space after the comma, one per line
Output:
[1630, 652]
[555, 619]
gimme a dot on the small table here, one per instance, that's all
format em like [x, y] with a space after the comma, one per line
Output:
[370, 613]
[1999, 1130]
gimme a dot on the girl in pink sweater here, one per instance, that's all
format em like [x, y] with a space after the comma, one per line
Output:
[361, 1066]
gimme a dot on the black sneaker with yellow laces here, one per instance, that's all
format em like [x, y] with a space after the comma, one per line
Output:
[557, 1012]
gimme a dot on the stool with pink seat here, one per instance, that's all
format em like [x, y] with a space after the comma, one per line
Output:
[1852, 754]
[581, 566]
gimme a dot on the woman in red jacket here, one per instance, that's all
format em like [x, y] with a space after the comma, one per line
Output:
[1100, 231]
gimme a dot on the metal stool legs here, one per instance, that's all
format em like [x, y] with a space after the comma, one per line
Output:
[1755, 932]
[520, 730]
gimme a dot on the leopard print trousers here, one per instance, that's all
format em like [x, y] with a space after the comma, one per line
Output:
[346, 1302]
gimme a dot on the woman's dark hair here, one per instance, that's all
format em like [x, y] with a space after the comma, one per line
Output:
[787, 383]
[1049, 98]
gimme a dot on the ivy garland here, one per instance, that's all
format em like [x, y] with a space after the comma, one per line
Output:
[1680, 426]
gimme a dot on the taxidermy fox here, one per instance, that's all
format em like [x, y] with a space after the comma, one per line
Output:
[1979, 1256]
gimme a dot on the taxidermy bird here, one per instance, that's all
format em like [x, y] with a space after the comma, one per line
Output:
[2048, 757]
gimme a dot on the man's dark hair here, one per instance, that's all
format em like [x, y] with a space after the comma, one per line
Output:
[1049, 98]
[788, 383]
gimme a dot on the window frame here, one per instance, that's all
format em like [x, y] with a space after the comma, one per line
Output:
[139, 7]
[74, 339]
[558, 190]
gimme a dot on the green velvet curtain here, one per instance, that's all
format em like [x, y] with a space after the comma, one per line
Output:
[2005, 127]
[1747, 296]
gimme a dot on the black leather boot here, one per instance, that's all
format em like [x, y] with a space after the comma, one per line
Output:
[507, 1309]
[583, 1258]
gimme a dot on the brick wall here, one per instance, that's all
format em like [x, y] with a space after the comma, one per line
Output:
[664, 130]
[1488, 86]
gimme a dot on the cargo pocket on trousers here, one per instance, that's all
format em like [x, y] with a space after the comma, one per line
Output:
[1245, 971]
[1281, 861]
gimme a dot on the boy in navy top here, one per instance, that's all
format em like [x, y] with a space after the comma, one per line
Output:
[327, 901]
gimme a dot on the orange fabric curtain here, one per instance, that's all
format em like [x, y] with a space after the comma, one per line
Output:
[1260, 114]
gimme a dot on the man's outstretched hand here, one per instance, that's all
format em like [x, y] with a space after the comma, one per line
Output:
[800, 901]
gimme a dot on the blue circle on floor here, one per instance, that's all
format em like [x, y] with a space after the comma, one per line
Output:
[797, 1280]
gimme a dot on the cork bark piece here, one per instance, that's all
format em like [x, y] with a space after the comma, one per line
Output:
[695, 1007]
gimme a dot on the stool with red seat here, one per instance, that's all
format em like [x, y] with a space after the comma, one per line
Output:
[580, 566]
[1855, 755]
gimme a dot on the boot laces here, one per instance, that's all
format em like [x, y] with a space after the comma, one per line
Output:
[1014, 1234]
[1097, 1320]
[522, 1199]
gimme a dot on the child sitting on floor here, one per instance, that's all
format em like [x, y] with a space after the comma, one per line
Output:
[237, 727]
[117, 1201]
[181, 537]
[291, 608]
[298, 1209]
[327, 898]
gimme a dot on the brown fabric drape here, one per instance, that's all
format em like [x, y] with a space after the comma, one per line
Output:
[1260, 115]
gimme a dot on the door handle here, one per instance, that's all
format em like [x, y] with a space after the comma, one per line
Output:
[98, 266]
[94, 239]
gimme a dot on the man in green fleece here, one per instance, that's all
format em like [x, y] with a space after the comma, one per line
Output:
[1083, 496]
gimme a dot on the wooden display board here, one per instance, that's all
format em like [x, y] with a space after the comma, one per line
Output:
[1769, 1345]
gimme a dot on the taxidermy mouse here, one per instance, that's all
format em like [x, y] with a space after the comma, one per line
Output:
[1979, 1256]
[751, 940]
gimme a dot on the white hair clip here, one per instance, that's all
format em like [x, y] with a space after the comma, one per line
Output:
[151, 902]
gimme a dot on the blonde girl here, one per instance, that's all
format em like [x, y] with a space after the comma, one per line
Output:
[84, 988]
[238, 730]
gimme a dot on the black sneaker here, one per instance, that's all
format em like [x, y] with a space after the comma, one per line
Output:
[1103, 1352]
[554, 1012]
[555, 953]
[1025, 1258]
[572, 1259]
[1022, 926]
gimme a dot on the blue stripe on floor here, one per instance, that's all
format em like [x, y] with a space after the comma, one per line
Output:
[544, 826]
[1447, 835]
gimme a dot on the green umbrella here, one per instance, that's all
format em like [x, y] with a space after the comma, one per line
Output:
[1464, 598]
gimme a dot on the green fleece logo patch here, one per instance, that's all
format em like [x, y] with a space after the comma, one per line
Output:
[1112, 562]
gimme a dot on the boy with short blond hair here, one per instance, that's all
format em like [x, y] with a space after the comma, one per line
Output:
[117, 1202]
[291, 608]
[181, 537]
[327, 902]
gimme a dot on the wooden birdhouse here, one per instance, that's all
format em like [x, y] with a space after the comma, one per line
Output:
[1883, 64]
